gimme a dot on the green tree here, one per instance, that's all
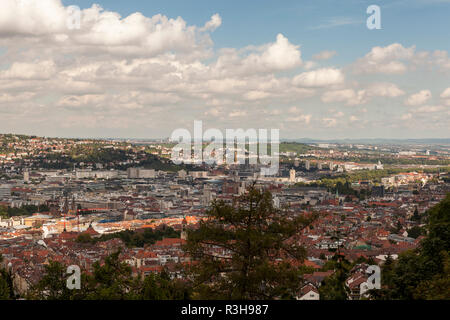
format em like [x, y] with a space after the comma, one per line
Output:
[112, 280]
[422, 273]
[333, 287]
[53, 284]
[6, 292]
[242, 250]
[162, 287]
[416, 215]
[415, 232]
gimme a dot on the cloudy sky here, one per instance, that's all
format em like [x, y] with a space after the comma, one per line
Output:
[142, 69]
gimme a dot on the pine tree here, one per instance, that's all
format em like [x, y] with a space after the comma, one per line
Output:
[243, 251]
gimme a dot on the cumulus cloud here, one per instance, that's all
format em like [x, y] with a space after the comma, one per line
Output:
[418, 98]
[389, 60]
[429, 109]
[319, 78]
[213, 24]
[39, 70]
[445, 94]
[324, 55]
[48, 21]
[278, 56]
[329, 122]
[136, 73]
[384, 89]
[297, 115]
[348, 96]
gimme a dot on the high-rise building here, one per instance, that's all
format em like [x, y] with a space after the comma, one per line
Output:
[26, 176]
[5, 190]
[292, 175]
[307, 165]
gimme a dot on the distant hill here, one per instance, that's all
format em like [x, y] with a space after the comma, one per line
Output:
[443, 141]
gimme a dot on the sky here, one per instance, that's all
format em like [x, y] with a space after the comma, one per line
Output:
[141, 69]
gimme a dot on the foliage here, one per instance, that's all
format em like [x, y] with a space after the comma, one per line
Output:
[333, 287]
[111, 280]
[52, 285]
[137, 238]
[422, 273]
[415, 232]
[26, 210]
[6, 292]
[241, 251]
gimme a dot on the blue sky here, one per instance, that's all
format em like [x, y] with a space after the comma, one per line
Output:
[142, 69]
[315, 24]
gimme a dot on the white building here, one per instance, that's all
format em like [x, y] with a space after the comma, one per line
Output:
[292, 175]
[308, 292]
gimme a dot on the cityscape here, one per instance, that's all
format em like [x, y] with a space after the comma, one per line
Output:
[342, 192]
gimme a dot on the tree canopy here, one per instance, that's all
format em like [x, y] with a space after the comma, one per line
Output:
[247, 250]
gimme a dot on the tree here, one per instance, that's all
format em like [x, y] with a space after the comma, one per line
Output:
[244, 250]
[6, 292]
[333, 287]
[161, 287]
[415, 232]
[416, 215]
[422, 273]
[3, 212]
[112, 281]
[53, 284]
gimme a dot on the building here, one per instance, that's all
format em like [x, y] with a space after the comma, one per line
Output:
[132, 173]
[307, 165]
[5, 191]
[292, 175]
[140, 173]
[26, 176]
[308, 292]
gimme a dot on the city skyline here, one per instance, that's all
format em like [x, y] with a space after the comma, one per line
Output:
[142, 70]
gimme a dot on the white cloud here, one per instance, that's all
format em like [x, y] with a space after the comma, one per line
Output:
[39, 70]
[278, 56]
[324, 55]
[304, 118]
[319, 78]
[384, 89]
[100, 30]
[140, 73]
[429, 109]
[388, 60]
[406, 116]
[349, 96]
[445, 94]
[213, 24]
[256, 95]
[418, 98]
[329, 122]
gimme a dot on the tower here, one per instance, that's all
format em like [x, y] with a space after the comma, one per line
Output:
[183, 234]
[307, 165]
[292, 175]
[26, 176]
[235, 150]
